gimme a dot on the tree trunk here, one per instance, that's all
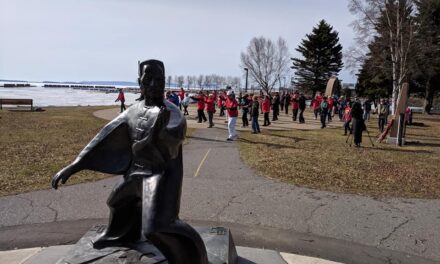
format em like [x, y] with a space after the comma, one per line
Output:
[429, 97]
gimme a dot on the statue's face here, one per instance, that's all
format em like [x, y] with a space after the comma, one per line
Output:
[152, 82]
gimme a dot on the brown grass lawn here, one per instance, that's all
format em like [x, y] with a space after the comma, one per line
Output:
[35, 145]
[321, 159]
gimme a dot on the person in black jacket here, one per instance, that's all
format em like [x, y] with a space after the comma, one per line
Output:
[302, 107]
[275, 107]
[286, 103]
[254, 113]
[358, 125]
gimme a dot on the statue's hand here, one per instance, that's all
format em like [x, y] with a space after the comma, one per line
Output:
[62, 175]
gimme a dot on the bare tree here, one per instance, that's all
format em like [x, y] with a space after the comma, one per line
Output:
[267, 61]
[200, 81]
[180, 80]
[393, 21]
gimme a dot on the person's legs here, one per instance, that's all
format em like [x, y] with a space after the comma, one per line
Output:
[323, 117]
[315, 111]
[254, 125]
[231, 127]
[210, 116]
[294, 114]
[286, 107]
[199, 115]
[203, 116]
[301, 116]
[185, 108]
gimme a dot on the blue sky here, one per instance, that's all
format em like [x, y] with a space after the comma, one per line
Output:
[80, 40]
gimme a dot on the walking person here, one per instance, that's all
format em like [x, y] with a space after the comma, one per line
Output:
[295, 106]
[210, 109]
[244, 103]
[347, 120]
[121, 98]
[358, 122]
[266, 110]
[324, 111]
[231, 106]
[255, 113]
[301, 107]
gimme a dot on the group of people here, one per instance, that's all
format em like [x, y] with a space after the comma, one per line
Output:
[353, 114]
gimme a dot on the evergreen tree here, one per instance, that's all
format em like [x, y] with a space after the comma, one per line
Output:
[426, 68]
[322, 58]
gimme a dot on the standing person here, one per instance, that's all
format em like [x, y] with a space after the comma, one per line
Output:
[367, 110]
[121, 98]
[341, 107]
[382, 114]
[210, 108]
[231, 106]
[276, 106]
[200, 107]
[358, 122]
[330, 108]
[244, 103]
[295, 105]
[181, 97]
[316, 104]
[185, 104]
[286, 103]
[266, 110]
[283, 95]
[301, 107]
[255, 112]
[324, 111]
[347, 119]
[221, 104]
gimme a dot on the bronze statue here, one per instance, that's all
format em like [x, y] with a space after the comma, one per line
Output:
[144, 144]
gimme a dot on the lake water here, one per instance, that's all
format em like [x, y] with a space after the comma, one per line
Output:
[64, 96]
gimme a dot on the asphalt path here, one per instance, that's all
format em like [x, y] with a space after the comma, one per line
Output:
[219, 189]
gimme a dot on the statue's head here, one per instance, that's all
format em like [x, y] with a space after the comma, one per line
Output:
[152, 80]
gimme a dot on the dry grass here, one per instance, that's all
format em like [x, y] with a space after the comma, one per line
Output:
[321, 159]
[35, 145]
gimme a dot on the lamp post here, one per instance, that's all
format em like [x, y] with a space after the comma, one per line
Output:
[246, 83]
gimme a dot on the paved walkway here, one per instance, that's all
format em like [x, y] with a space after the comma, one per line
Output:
[218, 189]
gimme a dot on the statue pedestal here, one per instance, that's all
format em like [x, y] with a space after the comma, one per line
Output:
[218, 242]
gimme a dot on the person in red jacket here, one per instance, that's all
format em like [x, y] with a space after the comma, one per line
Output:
[121, 98]
[200, 107]
[210, 108]
[347, 119]
[266, 109]
[221, 104]
[295, 105]
[331, 104]
[231, 106]
[317, 105]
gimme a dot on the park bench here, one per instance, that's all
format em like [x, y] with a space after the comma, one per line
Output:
[4, 101]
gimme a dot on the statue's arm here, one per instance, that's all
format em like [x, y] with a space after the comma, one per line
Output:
[172, 135]
[109, 152]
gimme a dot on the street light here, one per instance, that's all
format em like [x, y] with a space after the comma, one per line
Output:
[246, 83]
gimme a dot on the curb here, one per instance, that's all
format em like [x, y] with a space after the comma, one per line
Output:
[246, 255]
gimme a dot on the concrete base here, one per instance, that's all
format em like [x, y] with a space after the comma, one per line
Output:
[393, 140]
[218, 241]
